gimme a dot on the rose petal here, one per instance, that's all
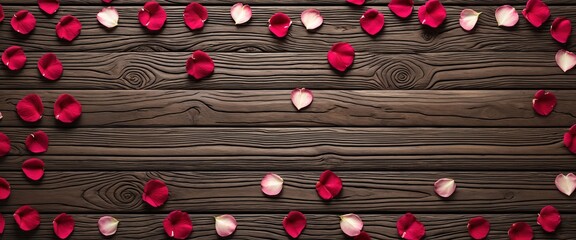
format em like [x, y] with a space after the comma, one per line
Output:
[152, 16]
[506, 16]
[432, 13]
[363, 236]
[108, 225]
[225, 225]
[279, 24]
[372, 21]
[561, 29]
[402, 8]
[106, 1]
[4, 145]
[63, 225]
[356, 2]
[351, 224]
[33, 168]
[329, 185]
[294, 223]
[241, 13]
[37, 142]
[155, 193]
[570, 139]
[341, 56]
[199, 65]
[4, 189]
[544, 102]
[445, 187]
[23, 22]
[50, 66]
[410, 228]
[536, 12]
[520, 231]
[271, 184]
[108, 17]
[14, 58]
[311, 19]
[67, 109]
[27, 218]
[478, 228]
[566, 183]
[195, 15]
[30, 108]
[301, 97]
[468, 19]
[549, 218]
[178, 225]
[68, 28]
[1, 13]
[566, 60]
[49, 6]
[2, 224]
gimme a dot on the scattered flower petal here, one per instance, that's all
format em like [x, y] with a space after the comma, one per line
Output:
[106, 1]
[341, 56]
[507, 16]
[271, 184]
[33, 168]
[1, 13]
[68, 28]
[566, 183]
[2, 224]
[195, 15]
[37, 142]
[294, 223]
[49, 6]
[108, 17]
[372, 21]
[410, 228]
[536, 12]
[561, 29]
[329, 185]
[4, 145]
[351, 224]
[108, 225]
[225, 225]
[27, 218]
[445, 187]
[549, 218]
[4, 188]
[566, 60]
[363, 236]
[544, 102]
[432, 13]
[301, 97]
[152, 16]
[14, 58]
[30, 108]
[155, 193]
[199, 65]
[402, 8]
[356, 2]
[63, 225]
[178, 225]
[478, 228]
[241, 13]
[279, 24]
[468, 19]
[311, 19]
[520, 231]
[23, 22]
[570, 139]
[50, 67]
[67, 109]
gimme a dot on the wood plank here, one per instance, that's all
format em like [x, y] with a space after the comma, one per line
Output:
[341, 24]
[258, 71]
[269, 226]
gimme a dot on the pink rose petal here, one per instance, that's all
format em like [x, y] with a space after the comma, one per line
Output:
[468, 19]
[68, 28]
[4, 145]
[294, 223]
[241, 13]
[341, 56]
[544, 102]
[311, 19]
[432, 13]
[329, 185]
[199, 65]
[4, 189]
[178, 225]
[549, 218]
[410, 228]
[351, 224]
[108, 17]
[30, 108]
[561, 29]
[49, 6]
[14, 58]
[155, 193]
[108, 225]
[566, 60]
[445, 187]
[570, 139]
[37, 142]
[27, 218]
[402, 8]
[478, 228]
[372, 21]
[506, 16]
[279, 24]
[536, 12]
[356, 2]
[301, 97]
[271, 184]
[520, 231]
[33, 168]
[23, 22]
[225, 225]
[152, 16]
[50, 67]
[195, 15]
[63, 225]
[566, 183]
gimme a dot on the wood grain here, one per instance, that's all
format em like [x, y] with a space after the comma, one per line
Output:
[287, 2]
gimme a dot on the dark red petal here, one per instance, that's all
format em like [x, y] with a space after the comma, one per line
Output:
[356, 2]
[195, 15]
[363, 236]
[4, 189]
[432, 13]
[570, 139]
[341, 56]
[14, 58]
[2, 224]
[152, 16]
[410, 228]
[37, 142]
[402, 8]
[50, 66]
[544, 102]
[49, 6]
[478, 228]
[199, 65]
[536, 12]
[329, 185]
[27, 218]
[68, 28]
[23, 22]
[279, 24]
[67, 109]
[178, 225]
[561, 29]
[63, 225]
[4, 144]
[372, 21]
[1, 13]
[294, 223]
[30, 108]
[520, 231]
[155, 193]
[33, 168]
[549, 218]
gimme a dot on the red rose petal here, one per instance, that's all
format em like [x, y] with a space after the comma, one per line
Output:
[372, 21]
[195, 15]
[178, 225]
[152, 16]
[14, 58]
[155, 193]
[23, 22]
[536, 12]
[4, 189]
[570, 139]
[49, 6]
[67, 109]
[30, 108]
[294, 223]
[279, 24]
[549, 218]
[1, 13]
[520, 231]
[410, 228]
[356, 2]
[37, 142]
[4, 144]
[341, 56]
[2, 224]
[561, 29]
[199, 65]
[68, 28]
[63, 225]
[478, 228]
[106, 1]
[402, 8]
[329, 185]
[363, 236]
[50, 66]
[33, 168]
[544, 102]
[27, 218]
[432, 13]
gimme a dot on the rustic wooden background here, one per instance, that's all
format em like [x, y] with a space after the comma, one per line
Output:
[418, 105]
